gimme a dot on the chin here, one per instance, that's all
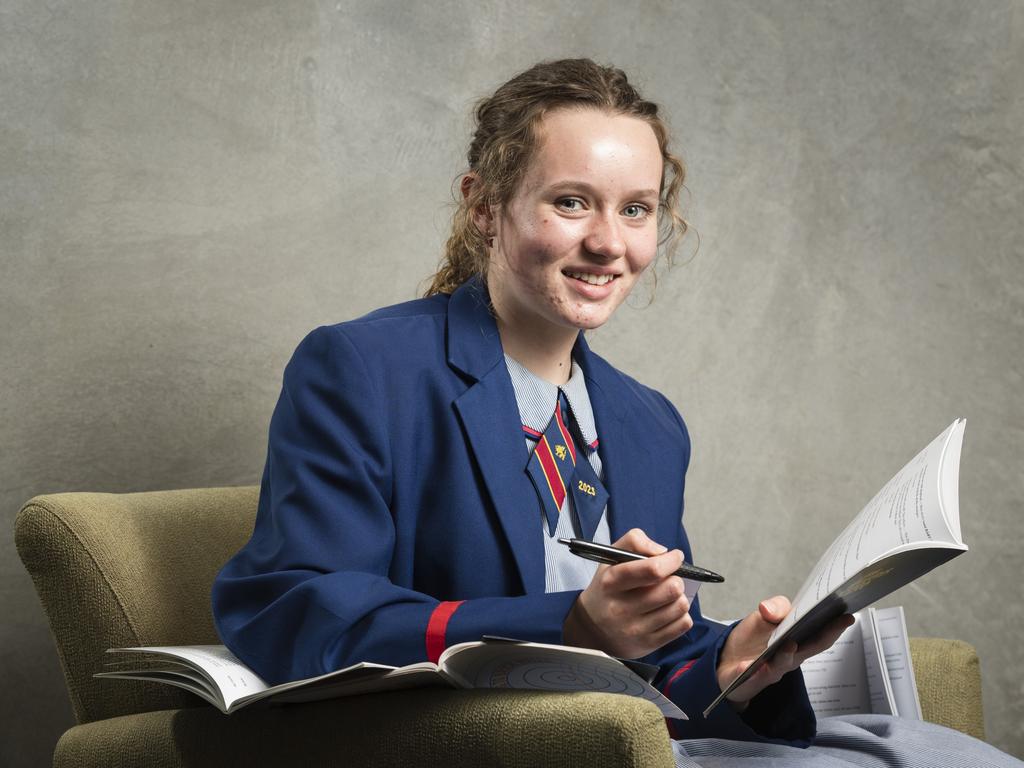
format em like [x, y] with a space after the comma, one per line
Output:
[589, 322]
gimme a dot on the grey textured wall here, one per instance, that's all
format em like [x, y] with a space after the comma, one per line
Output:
[186, 188]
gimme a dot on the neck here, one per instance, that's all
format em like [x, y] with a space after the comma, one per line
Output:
[547, 356]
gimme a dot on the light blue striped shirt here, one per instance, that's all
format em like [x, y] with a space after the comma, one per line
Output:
[536, 399]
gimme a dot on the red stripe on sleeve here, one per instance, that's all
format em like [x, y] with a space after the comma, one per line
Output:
[438, 626]
[677, 675]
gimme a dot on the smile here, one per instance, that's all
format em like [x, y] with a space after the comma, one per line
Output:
[589, 278]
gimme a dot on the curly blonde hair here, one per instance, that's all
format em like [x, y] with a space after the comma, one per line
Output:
[505, 141]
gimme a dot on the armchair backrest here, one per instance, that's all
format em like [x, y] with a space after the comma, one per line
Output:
[116, 570]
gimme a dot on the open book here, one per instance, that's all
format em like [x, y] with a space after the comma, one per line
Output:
[910, 527]
[867, 670]
[212, 672]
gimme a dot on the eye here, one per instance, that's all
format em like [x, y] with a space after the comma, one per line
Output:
[636, 211]
[570, 204]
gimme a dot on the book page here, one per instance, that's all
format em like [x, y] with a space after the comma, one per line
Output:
[540, 667]
[836, 679]
[220, 668]
[213, 672]
[949, 479]
[162, 669]
[891, 629]
[368, 679]
[908, 512]
[169, 676]
[882, 701]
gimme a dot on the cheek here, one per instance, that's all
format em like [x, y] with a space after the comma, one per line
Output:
[644, 251]
[560, 238]
[542, 243]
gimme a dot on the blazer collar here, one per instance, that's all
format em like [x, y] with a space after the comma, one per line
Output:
[474, 347]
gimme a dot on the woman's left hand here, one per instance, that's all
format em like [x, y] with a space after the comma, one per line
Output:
[750, 637]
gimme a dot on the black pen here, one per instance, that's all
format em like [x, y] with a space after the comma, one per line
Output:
[602, 553]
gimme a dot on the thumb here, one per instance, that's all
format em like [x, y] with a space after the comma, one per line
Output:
[774, 609]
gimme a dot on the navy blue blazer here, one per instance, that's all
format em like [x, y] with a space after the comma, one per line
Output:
[396, 516]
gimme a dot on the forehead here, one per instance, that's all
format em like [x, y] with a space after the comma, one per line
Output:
[598, 145]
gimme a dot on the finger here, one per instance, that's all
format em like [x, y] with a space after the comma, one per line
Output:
[635, 540]
[784, 659]
[826, 638]
[767, 674]
[774, 609]
[668, 632]
[669, 592]
[654, 629]
[641, 573]
[781, 662]
[774, 671]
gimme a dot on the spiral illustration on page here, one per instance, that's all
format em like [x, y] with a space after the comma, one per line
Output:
[548, 675]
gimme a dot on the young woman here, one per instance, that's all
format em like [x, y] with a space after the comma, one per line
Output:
[411, 498]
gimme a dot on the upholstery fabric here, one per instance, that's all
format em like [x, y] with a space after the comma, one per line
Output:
[116, 570]
[518, 729]
[949, 683]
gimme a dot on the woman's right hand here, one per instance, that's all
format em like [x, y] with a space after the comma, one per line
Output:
[631, 609]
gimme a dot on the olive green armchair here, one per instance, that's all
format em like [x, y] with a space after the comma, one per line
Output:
[117, 570]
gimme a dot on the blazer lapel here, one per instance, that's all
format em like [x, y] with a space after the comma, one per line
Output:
[628, 467]
[490, 417]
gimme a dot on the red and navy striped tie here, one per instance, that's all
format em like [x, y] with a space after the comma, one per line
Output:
[555, 470]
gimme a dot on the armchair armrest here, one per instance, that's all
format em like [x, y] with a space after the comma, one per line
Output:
[948, 678]
[430, 727]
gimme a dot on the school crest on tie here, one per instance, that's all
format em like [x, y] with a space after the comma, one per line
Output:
[560, 452]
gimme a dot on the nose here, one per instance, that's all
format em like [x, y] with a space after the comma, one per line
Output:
[604, 236]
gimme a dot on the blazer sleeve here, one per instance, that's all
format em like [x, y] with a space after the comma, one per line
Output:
[311, 591]
[781, 713]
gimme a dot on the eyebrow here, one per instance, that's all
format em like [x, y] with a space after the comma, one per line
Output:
[569, 184]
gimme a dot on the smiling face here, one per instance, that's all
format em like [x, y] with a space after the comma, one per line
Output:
[582, 227]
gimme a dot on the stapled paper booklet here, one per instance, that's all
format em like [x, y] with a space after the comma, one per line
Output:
[867, 671]
[910, 527]
[213, 673]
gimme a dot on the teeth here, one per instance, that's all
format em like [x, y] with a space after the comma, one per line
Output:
[592, 279]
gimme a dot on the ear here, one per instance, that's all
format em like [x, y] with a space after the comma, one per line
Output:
[483, 216]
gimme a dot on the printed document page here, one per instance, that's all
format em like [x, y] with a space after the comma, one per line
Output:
[836, 679]
[882, 700]
[909, 512]
[891, 628]
[536, 666]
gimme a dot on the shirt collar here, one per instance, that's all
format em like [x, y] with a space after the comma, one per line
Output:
[536, 399]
